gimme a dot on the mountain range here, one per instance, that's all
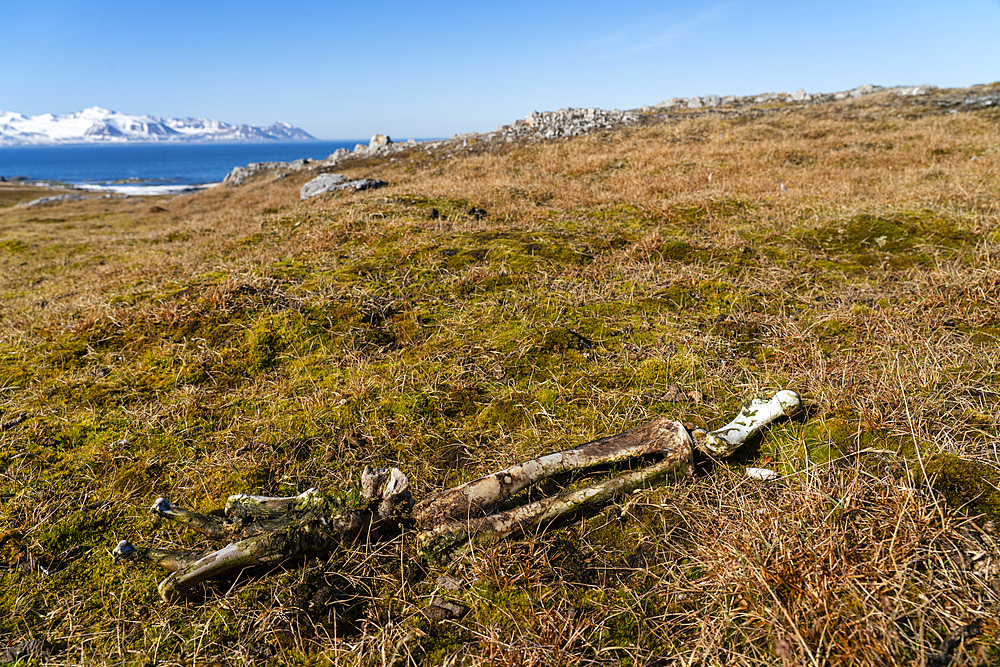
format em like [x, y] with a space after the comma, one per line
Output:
[96, 126]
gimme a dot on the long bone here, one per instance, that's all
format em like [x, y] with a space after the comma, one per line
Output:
[448, 518]
[267, 530]
[661, 435]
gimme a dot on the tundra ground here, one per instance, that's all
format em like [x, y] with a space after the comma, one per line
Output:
[497, 303]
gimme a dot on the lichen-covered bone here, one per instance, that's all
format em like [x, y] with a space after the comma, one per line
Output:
[751, 420]
[472, 498]
[266, 530]
[444, 536]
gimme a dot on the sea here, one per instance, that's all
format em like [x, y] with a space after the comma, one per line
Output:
[149, 169]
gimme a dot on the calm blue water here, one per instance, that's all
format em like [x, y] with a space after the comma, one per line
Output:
[149, 166]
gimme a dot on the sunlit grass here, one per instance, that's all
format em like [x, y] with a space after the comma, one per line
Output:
[240, 340]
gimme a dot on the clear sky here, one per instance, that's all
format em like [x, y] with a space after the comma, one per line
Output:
[346, 70]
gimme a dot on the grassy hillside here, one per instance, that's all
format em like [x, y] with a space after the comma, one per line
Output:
[499, 302]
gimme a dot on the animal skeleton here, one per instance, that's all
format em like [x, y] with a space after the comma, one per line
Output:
[261, 530]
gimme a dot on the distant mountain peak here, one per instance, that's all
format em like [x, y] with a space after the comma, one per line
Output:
[99, 125]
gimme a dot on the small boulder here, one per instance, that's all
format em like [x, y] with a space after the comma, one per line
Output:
[325, 183]
[338, 154]
[379, 141]
[321, 184]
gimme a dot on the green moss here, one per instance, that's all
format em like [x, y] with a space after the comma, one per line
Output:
[968, 486]
[14, 245]
[266, 343]
[901, 240]
[821, 440]
[505, 414]
[78, 528]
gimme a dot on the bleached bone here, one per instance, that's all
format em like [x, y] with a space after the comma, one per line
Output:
[752, 419]
[267, 530]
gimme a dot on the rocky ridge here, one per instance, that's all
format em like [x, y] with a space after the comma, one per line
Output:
[572, 122]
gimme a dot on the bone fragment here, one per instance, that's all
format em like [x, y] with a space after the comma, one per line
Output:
[762, 474]
[262, 549]
[168, 559]
[443, 536]
[751, 420]
[472, 498]
[267, 505]
[267, 530]
[209, 526]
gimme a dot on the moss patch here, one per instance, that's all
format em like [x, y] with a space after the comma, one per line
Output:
[969, 486]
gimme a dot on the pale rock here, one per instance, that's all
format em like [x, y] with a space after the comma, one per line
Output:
[325, 183]
[866, 89]
[338, 154]
[321, 184]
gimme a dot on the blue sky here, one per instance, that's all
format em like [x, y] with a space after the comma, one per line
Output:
[345, 70]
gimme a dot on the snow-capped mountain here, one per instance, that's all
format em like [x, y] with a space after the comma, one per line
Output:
[97, 125]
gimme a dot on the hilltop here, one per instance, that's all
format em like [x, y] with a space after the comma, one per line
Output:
[505, 295]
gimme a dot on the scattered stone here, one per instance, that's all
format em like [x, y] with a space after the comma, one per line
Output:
[338, 154]
[320, 184]
[440, 610]
[379, 141]
[240, 175]
[538, 126]
[860, 91]
[54, 199]
[325, 183]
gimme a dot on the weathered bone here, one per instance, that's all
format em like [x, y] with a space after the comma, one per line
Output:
[752, 419]
[442, 535]
[267, 530]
